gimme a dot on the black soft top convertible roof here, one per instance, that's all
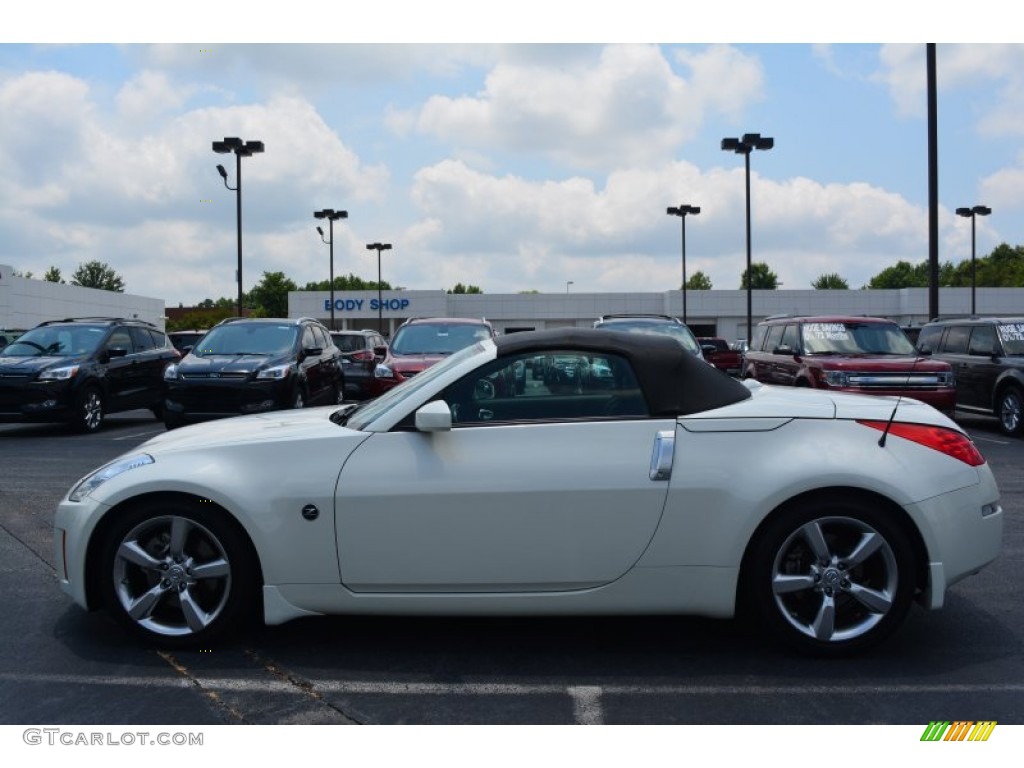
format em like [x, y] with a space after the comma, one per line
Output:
[674, 382]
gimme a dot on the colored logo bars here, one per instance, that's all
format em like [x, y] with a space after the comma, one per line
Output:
[960, 730]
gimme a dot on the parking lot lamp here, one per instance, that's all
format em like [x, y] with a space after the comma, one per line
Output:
[744, 146]
[971, 213]
[331, 215]
[241, 149]
[380, 304]
[682, 212]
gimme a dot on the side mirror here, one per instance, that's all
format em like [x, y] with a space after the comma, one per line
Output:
[924, 350]
[709, 349]
[380, 350]
[313, 351]
[435, 416]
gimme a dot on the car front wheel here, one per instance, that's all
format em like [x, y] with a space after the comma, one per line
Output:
[176, 574]
[831, 576]
[89, 410]
[1011, 411]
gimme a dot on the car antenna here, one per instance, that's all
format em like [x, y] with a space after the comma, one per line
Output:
[892, 416]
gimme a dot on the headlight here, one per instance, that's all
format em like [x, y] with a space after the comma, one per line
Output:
[171, 372]
[275, 372]
[383, 372]
[90, 483]
[834, 378]
[58, 374]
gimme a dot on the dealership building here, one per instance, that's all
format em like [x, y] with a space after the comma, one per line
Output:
[708, 313]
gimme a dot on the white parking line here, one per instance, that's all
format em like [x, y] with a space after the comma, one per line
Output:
[139, 434]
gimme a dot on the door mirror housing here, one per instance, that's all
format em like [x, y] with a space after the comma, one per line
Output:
[435, 416]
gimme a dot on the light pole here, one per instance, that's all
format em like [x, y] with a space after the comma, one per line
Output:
[681, 212]
[744, 146]
[241, 149]
[380, 305]
[971, 213]
[567, 284]
[331, 215]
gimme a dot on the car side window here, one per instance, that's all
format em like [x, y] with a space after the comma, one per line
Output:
[308, 340]
[774, 338]
[141, 338]
[983, 340]
[930, 338]
[120, 339]
[956, 340]
[791, 337]
[575, 385]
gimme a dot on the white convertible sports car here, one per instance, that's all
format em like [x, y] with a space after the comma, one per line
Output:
[659, 486]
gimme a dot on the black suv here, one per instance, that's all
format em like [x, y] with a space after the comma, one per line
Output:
[252, 365]
[77, 370]
[987, 355]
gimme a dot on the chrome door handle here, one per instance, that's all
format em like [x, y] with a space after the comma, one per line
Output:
[662, 455]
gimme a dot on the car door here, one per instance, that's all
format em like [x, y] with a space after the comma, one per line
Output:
[983, 366]
[121, 372]
[151, 357]
[550, 491]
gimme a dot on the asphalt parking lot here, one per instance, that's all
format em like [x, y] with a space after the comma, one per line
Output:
[60, 665]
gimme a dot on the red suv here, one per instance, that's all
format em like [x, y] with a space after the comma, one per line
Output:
[423, 341]
[869, 355]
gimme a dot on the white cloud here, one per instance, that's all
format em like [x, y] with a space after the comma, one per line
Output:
[627, 108]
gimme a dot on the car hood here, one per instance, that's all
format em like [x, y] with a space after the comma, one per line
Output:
[29, 365]
[275, 426]
[770, 406]
[875, 363]
[193, 365]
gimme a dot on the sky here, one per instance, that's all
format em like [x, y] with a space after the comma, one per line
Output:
[547, 154]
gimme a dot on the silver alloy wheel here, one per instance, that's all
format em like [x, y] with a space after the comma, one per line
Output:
[298, 402]
[835, 578]
[91, 410]
[172, 576]
[1010, 407]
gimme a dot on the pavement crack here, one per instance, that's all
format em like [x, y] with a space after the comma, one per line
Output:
[212, 696]
[305, 686]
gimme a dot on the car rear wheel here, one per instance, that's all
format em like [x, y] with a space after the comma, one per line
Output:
[831, 576]
[1011, 411]
[89, 410]
[176, 574]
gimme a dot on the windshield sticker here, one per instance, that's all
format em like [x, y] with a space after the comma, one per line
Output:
[826, 332]
[1011, 332]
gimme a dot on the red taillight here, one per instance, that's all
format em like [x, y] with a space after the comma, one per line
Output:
[364, 354]
[947, 441]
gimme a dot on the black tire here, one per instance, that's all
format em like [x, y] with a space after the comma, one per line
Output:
[830, 576]
[173, 421]
[1010, 411]
[177, 574]
[89, 412]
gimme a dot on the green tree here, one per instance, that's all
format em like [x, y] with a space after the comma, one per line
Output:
[762, 277]
[346, 283]
[269, 297]
[830, 281]
[53, 275]
[98, 274]
[460, 288]
[698, 281]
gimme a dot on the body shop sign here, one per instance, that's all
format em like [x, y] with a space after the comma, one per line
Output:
[356, 305]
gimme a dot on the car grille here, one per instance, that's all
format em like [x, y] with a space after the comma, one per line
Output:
[922, 381]
[231, 376]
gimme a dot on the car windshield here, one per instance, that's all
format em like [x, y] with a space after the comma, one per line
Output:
[248, 339]
[57, 341]
[437, 338]
[853, 338]
[680, 333]
[1012, 335]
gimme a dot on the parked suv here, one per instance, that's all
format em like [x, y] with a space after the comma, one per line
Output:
[361, 351]
[78, 370]
[420, 342]
[662, 324]
[987, 355]
[869, 355]
[253, 365]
